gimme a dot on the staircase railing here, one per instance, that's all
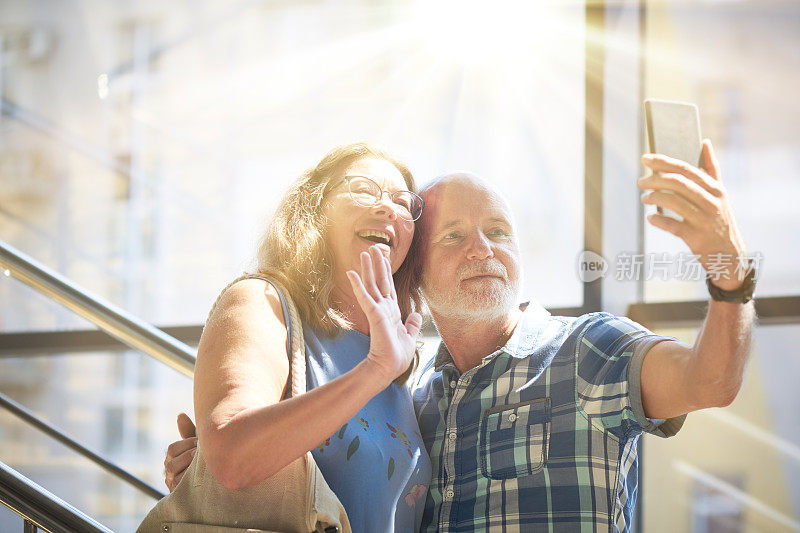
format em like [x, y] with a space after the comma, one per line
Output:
[38, 507]
[129, 329]
[41, 509]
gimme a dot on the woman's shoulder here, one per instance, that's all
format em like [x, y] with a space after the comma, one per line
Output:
[250, 306]
[245, 337]
[241, 358]
[249, 299]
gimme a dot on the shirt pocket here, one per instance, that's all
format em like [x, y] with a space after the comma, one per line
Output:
[512, 439]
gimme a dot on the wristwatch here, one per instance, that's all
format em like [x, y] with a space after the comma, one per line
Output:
[742, 295]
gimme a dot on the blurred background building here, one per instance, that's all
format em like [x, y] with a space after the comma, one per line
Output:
[144, 144]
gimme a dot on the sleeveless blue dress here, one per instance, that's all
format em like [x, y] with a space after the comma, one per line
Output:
[376, 463]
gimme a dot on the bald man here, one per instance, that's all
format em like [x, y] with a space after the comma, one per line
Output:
[531, 420]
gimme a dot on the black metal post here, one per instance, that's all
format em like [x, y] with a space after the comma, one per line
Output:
[593, 146]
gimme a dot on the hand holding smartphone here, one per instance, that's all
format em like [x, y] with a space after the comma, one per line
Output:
[673, 129]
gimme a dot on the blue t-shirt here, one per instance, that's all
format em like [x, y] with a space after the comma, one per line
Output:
[376, 463]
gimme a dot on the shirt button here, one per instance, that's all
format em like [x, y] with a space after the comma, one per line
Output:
[449, 494]
[451, 435]
[512, 417]
[453, 384]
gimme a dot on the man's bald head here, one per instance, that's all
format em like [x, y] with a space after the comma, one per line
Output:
[468, 257]
[454, 183]
[465, 178]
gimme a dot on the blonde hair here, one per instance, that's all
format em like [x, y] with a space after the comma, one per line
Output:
[294, 251]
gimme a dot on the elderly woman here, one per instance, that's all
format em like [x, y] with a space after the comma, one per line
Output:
[354, 212]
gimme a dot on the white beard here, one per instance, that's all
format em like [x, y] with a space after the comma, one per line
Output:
[479, 300]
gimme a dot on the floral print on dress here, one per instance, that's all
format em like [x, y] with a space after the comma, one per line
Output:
[417, 492]
[363, 423]
[398, 433]
[352, 447]
[321, 447]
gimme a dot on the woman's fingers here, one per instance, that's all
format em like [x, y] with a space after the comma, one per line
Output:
[376, 274]
[382, 276]
[391, 278]
[362, 296]
[413, 324]
[368, 275]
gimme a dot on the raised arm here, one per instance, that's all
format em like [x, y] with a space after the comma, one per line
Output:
[242, 369]
[677, 378]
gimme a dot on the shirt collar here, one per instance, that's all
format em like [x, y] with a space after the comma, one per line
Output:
[522, 342]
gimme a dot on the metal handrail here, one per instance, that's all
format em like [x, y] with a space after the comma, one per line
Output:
[129, 329]
[40, 507]
[28, 417]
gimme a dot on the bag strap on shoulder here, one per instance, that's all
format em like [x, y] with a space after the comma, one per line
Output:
[295, 343]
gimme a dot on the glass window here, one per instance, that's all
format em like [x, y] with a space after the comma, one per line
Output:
[736, 60]
[735, 468]
[126, 420]
[143, 147]
[143, 150]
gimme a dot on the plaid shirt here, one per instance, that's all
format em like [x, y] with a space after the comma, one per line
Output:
[541, 435]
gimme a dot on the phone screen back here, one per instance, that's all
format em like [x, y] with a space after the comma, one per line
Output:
[673, 129]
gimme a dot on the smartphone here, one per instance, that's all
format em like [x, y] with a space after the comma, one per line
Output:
[673, 129]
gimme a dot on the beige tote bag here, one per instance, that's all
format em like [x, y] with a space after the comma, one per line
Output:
[295, 500]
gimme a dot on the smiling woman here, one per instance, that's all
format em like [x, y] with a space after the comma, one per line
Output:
[360, 346]
[314, 224]
[353, 227]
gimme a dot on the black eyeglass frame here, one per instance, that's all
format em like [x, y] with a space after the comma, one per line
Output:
[414, 196]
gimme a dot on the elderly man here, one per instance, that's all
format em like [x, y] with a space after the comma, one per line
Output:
[531, 420]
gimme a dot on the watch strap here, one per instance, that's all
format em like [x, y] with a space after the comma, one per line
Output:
[742, 295]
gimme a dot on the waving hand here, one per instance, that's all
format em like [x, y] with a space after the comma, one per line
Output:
[392, 343]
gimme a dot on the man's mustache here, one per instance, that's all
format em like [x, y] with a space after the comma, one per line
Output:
[483, 268]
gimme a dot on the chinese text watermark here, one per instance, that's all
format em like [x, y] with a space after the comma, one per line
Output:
[682, 266]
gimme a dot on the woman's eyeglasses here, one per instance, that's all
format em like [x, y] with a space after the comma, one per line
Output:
[367, 193]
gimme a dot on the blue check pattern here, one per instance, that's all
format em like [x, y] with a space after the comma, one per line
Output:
[542, 435]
